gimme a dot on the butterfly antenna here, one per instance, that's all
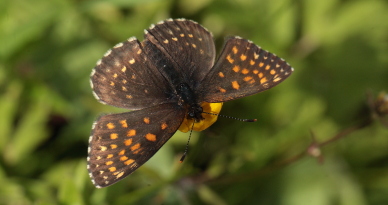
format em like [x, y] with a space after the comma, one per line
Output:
[187, 145]
[233, 118]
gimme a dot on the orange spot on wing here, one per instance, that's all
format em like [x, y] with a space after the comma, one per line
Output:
[137, 151]
[114, 136]
[122, 152]
[150, 137]
[123, 158]
[129, 161]
[110, 126]
[235, 85]
[128, 142]
[263, 80]
[236, 68]
[123, 123]
[109, 162]
[131, 133]
[248, 78]
[112, 169]
[245, 71]
[164, 126]
[123, 69]
[135, 147]
[221, 74]
[146, 120]
[113, 146]
[234, 49]
[229, 59]
[243, 57]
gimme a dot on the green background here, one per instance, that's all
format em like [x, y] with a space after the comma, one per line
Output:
[339, 49]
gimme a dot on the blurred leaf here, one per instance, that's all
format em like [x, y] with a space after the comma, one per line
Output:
[210, 197]
[31, 130]
[310, 182]
[8, 109]
[69, 193]
[23, 22]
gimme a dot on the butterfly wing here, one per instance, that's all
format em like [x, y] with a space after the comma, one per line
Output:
[242, 69]
[127, 77]
[188, 45]
[120, 143]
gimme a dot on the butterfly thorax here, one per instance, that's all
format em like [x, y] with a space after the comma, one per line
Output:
[187, 99]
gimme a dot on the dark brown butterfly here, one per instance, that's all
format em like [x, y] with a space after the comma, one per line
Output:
[171, 82]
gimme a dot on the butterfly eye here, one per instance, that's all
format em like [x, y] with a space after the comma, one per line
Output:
[191, 114]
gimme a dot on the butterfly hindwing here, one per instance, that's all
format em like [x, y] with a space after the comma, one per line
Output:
[122, 142]
[126, 77]
[187, 44]
[242, 69]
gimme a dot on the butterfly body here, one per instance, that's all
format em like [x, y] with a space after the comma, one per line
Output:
[171, 82]
[189, 100]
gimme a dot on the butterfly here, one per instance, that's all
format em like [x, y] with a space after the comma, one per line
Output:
[170, 81]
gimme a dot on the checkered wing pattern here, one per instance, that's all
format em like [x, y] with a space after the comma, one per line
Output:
[127, 76]
[242, 69]
[120, 143]
[188, 45]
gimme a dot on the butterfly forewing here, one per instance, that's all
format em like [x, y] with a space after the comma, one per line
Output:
[120, 143]
[189, 45]
[126, 77]
[242, 69]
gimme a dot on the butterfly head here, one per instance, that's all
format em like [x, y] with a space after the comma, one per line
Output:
[207, 120]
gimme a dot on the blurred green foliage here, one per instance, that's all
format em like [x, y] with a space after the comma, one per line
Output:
[339, 49]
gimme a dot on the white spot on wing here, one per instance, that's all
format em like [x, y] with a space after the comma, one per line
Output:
[98, 62]
[132, 39]
[91, 83]
[108, 53]
[118, 45]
